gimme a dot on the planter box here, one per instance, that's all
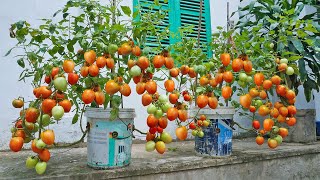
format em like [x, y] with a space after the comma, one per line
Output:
[304, 131]
[109, 142]
[217, 139]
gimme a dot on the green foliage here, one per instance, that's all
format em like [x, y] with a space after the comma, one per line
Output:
[292, 30]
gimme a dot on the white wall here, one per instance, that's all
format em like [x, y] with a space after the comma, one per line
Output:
[32, 10]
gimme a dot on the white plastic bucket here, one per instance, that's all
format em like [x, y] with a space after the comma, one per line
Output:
[109, 141]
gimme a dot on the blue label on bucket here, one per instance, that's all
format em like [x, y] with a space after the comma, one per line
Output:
[217, 139]
[109, 143]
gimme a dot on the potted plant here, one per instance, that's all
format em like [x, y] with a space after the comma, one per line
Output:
[292, 30]
[96, 75]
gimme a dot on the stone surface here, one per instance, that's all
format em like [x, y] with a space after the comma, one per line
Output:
[248, 161]
[304, 131]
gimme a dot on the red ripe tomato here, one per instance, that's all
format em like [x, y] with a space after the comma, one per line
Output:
[256, 124]
[73, 78]
[152, 121]
[192, 125]
[16, 144]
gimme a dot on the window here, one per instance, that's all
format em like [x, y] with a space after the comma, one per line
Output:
[181, 13]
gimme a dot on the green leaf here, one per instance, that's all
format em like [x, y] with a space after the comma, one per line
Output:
[126, 10]
[9, 51]
[114, 113]
[294, 58]
[75, 118]
[307, 92]
[21, 63]
[298, 45]
[107, 100]
[302, 69]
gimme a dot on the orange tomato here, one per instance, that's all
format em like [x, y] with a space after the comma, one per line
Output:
[152, 121]
[99, 97]
[143, 62]
[136, 51]
[182, 115]
[173, 98]
[88, 96]
[66, 104]
[272, 143]
[227, 76]
[225, 59]
[16, 144]
[267, 124]
[90, 56]
[263, 94]
[247, 66]
[213, 102]
[110, 63]
[283, 111]
[44, 155]
[32, 114]
[291, 121]
[263, 110]
[237, 65]
[184, 69]
[283, 132]
[48, 137]
[276, 80]
[182, 133]
[172, 113]
[169, 85]
[47, 105]
[140, 88]
[151, 87]
[125, 89]
[68, 66]
[158, 61]
[226, 92]
[169, 62]
[282, 67]
[202, 101]
[258, 79]
[101, 62]
[174, 72]
[259, 140]
[111, 87]
[146, 99]
[267, 84]
[245, 100]
[203, 81]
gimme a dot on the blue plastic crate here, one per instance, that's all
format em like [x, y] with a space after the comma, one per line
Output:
[318, 128]
[217, 140]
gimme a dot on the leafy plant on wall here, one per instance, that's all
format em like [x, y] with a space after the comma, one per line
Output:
[291, 31]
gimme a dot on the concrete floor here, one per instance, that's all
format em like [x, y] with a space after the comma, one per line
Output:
[248, 161]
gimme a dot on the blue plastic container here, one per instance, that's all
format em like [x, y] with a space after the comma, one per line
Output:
[318, 128]
[217, 139]
[109, 142]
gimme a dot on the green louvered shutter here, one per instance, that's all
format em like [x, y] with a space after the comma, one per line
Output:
[181, 13]
[190, 13]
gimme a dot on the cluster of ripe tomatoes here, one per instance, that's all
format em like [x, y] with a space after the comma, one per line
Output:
[49, 106]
